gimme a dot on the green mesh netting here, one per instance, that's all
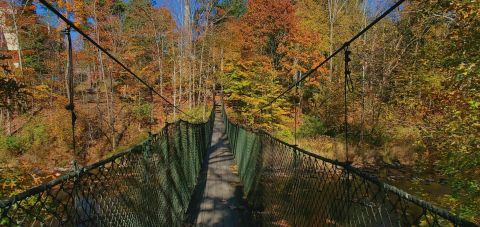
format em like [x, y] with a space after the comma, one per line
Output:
[148, 185]
[288, 186]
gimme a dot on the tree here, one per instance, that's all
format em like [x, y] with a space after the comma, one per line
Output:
[452, 115]
[267, 27]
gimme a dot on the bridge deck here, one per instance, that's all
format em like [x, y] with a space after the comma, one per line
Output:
[218, 197]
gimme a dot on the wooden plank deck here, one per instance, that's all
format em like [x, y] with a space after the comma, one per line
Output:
[218, 197]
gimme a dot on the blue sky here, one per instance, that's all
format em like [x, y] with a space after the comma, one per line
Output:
[176, 7]
[375, 7]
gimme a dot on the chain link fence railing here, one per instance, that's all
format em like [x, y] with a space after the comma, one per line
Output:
[288, 186]
[147, 185]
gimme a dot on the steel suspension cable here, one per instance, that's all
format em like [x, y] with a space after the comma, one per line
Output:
[105, 51]
[355, 37]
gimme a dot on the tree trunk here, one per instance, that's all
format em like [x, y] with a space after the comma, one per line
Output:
[364, 69]
[202, 51]
[15, 27]
[9, 119]
[187, 41]
[331, 21]
[105, 85]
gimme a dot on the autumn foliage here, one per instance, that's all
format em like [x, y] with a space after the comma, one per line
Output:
[415, 79]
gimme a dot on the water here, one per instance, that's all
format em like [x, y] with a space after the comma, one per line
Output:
[428, 186]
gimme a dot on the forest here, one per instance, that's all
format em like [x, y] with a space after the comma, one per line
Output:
[413, 95]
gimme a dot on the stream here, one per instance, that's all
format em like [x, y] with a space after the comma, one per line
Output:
[428, 186]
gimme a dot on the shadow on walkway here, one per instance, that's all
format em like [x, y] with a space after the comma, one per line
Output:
[218, 197]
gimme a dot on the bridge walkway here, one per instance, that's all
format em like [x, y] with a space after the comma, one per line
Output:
[218, 196]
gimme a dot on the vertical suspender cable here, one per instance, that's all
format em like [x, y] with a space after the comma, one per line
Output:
[70, 86]
[151, 121]
[296, 112]
[297, 104]
[346, 109]
[271, 114]
[347, 85]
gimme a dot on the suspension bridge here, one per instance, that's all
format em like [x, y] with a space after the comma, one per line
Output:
[218, 173]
